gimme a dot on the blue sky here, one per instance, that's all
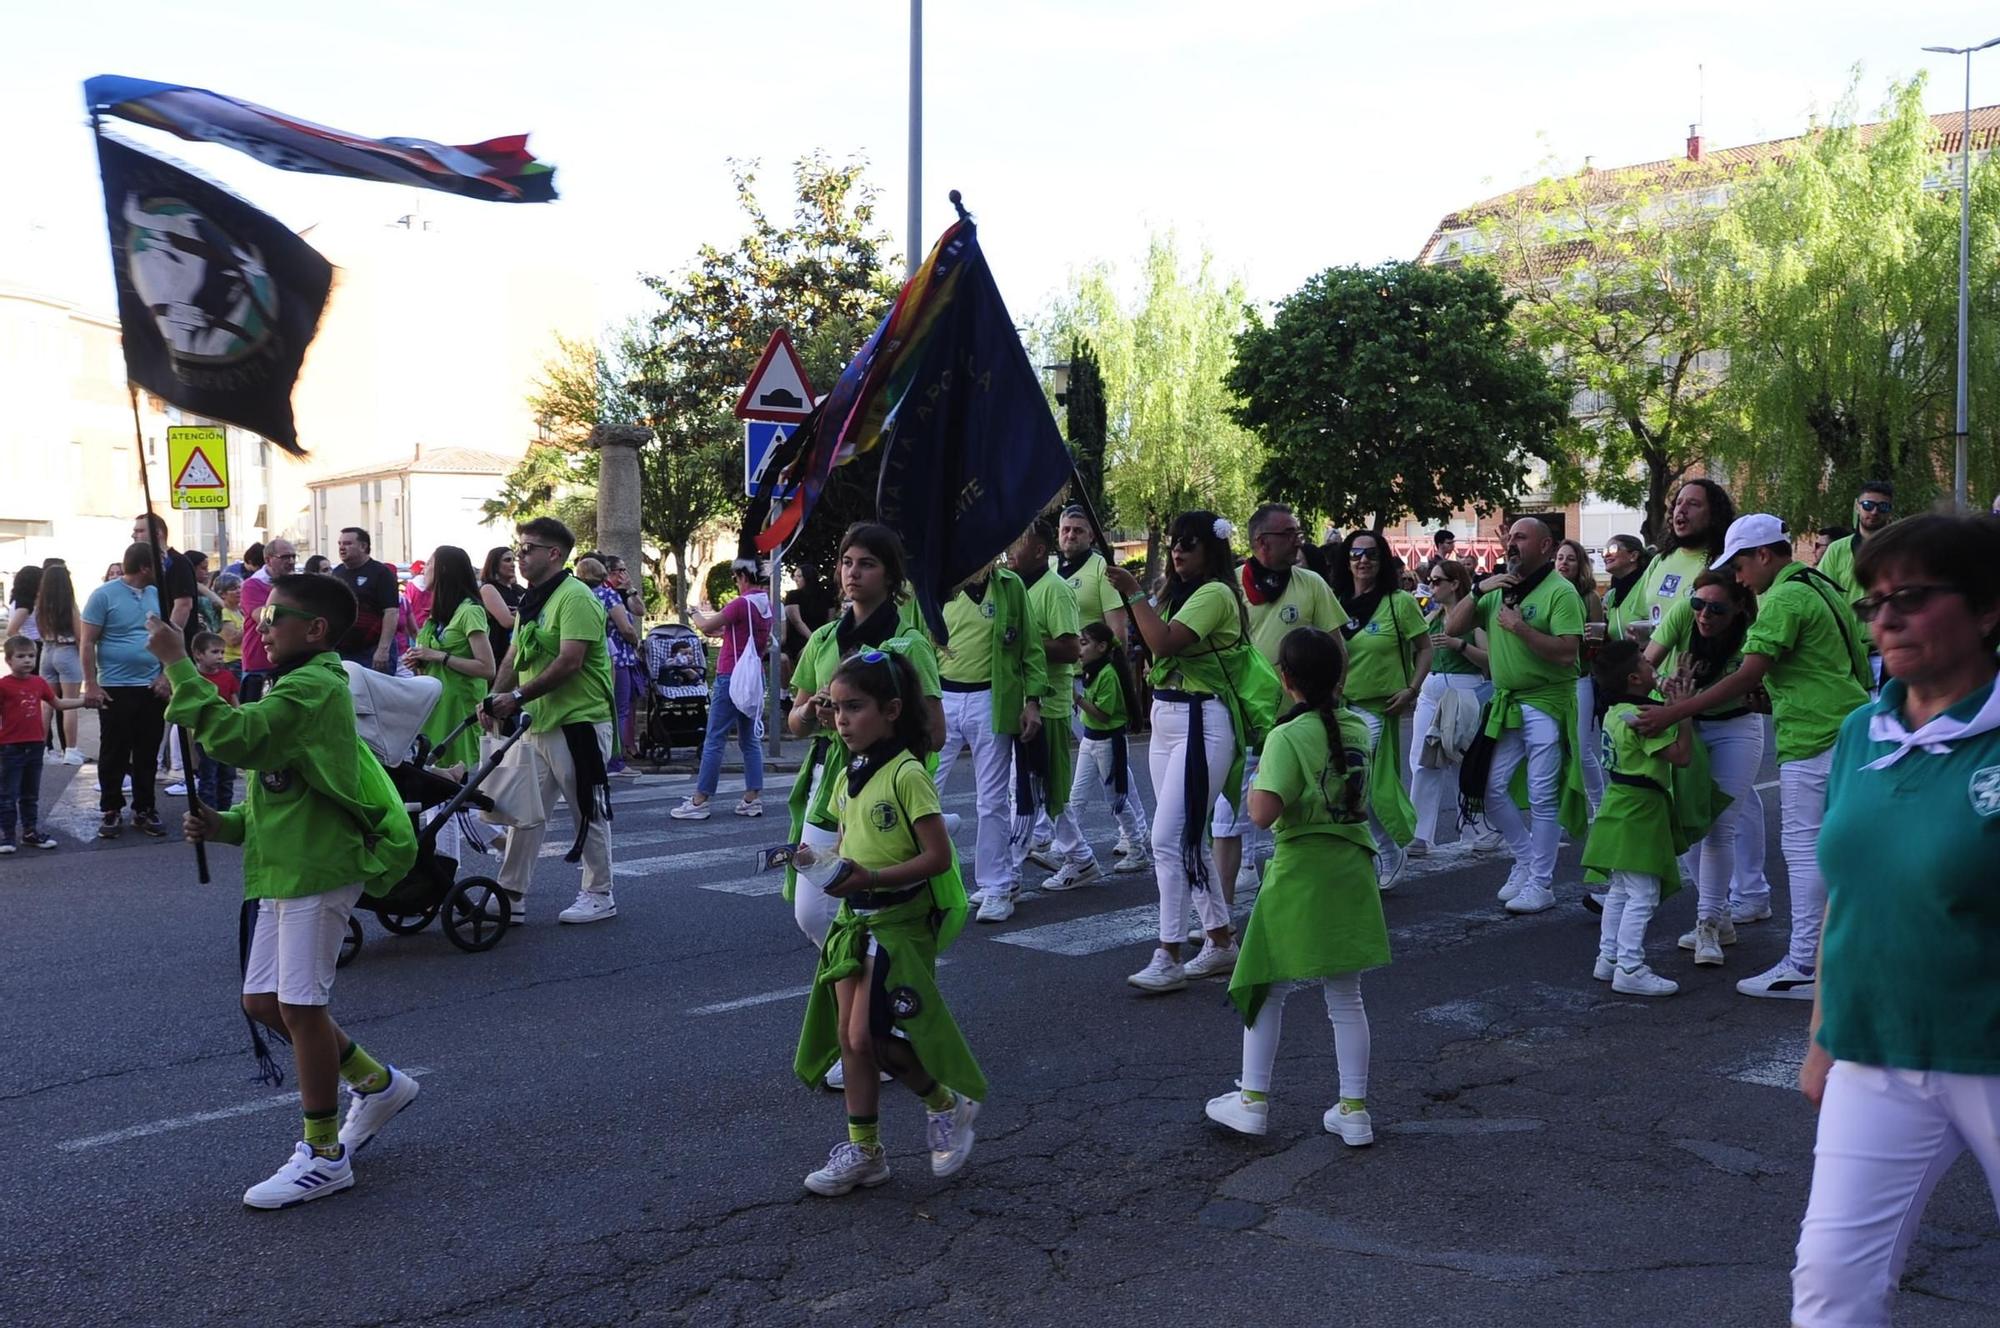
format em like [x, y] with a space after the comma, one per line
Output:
[1283, 136]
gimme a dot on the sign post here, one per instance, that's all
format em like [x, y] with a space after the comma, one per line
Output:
[775, 399]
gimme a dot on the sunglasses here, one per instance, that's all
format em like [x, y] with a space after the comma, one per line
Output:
[529, 546]
[1362, 555]
[1290, 533]
[872, 656]
[1718, 607]
[1875, 505]
[273, 611]
[1906, 600]
[1188, 543]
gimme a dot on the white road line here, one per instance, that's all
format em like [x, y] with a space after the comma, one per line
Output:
[271, 1103]
[1089, 935]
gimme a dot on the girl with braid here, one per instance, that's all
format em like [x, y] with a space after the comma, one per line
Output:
[1319, 915]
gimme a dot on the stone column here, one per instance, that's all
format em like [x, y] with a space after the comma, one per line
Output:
[618, 491]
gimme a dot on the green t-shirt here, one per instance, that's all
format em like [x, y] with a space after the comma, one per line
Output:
[1052, 606]
[1816, 662]
[1626, 751]
[1837, 565]
[1676, 630]
[969, 628]
[572, 614]
[878, 825]
[462, 693]
[1211, 614]
[1297, 766]
[1668, 578]
[1103, 691]
[1095, 596]
[821, 655]
[1445, 659]
[1553, 607]
[1308, 601]
[1381, 655]
[1907, 977]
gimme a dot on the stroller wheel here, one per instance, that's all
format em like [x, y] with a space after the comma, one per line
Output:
[350, 944]
[466, 920]
[407, 924]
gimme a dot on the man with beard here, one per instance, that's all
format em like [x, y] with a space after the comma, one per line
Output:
[1534, 629]
[1874, 509]
[1696, 522]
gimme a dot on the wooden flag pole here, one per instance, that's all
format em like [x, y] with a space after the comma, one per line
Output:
[159, 588]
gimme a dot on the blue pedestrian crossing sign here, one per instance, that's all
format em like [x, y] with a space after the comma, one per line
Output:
[759, 437]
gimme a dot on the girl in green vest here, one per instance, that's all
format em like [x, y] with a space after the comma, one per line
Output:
[452, 647]
[874, 1001]
[1319, 916]
[1389, 657]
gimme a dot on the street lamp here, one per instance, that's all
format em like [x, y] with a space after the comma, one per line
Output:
[1958, 477]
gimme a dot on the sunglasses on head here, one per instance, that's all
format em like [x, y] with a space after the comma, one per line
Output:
[1875, 505]
[872, 656]
[1906, 600]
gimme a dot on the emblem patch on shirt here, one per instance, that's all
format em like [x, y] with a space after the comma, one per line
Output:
[905, 1004]
[1375, 629]
[1010, 636]
[1670, 585]
[277, 781]
[989, 609]
[1289, 614]
[1984, 791]
[1528, 612]
[883, 816]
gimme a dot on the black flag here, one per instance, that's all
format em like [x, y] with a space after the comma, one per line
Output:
[217, 300]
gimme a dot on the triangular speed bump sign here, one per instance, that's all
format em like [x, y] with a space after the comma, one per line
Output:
[778, 389]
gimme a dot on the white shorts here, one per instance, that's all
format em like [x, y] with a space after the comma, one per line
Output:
[1234, 822]
[296, 945]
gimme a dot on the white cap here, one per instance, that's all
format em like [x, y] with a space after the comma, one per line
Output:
[1750, 532]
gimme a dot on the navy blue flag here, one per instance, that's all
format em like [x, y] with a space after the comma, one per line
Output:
[970, 451]
[216, 300]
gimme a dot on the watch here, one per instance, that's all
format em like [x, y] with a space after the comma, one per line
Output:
[518, 698]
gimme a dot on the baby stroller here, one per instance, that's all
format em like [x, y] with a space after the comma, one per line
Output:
[389, 714]
[677, 699]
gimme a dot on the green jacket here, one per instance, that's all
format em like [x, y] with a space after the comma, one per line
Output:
[322, 812]
[1020, 670]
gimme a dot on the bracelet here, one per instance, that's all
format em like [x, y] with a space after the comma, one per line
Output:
[1130, 600]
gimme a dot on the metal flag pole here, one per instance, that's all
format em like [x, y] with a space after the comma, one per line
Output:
[159, 586]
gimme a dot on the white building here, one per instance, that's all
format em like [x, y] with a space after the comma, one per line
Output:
[409, 507]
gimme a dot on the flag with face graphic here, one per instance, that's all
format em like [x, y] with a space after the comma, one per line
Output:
[217, 301]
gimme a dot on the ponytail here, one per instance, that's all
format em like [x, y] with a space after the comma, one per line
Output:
[1314, 664]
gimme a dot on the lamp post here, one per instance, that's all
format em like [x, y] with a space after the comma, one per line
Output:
[916, 135]
[1959, 500]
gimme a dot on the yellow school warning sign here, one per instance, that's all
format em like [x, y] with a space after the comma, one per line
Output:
[197, 466]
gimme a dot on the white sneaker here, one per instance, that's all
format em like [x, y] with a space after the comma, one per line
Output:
[177, 789]
[517, 906]
[1725, 934]
[1213, 961]
[1488, 840]
[1162, 975]
[1047, 846]
[306, 1176]
[1593, 901]
[1239, 1113]
[1783, 981]
[997, 905]
[1417, 848]
[848, 1166]
[1517, 881]
[367, 1113]
[1532, 899]
[589, 908]
[74, 756]
[1355, 1128]
[1604, 970]
[750, 808]
[690, 810]
[1139, 860]
[1044, 856]
[1642, 981]
[1744, 914]
[1389, 866]
[1073, 874]
[950, 1135]
[836, 1078]
[1247, 877]
[1123, 846]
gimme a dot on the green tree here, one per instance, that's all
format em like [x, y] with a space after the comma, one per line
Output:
[1086, 426]
[1842, 269]
[1395, 391]
[1172, 437]
[1615, 286]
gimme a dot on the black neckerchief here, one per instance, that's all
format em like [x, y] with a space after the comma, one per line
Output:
[537, 597]
[1514, 594]
[1620, 584]
[1302, 708]
[1178, 592]
[1361, 608]
[1712, 654]
[862, 767]
[1065, 568]
[976, 590]
[1034, 573]
[278, 670]
[1268, 583]
[1089, 672]
[849, 635]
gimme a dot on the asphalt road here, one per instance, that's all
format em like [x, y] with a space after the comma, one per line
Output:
[610, 1133]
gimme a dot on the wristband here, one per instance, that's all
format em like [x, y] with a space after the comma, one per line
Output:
[1130, 600]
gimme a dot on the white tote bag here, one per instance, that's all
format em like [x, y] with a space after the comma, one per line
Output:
[746, 678]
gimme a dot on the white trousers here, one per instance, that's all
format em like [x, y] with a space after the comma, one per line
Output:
[524, 842]
[1533, 843]
[1168, 754]
[1435, 791]
[1383, 843]
[968, 722]
[1350, 1035]
[1735, 753]
[1590, 735]
[1233, 822]
[1750, 886]
[1094, 777]
[1886, 1137]
[1629, 904]
[1803, 784]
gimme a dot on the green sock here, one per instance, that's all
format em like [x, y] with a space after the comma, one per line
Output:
[363, 1073]
[1252, 1095]
[939, 1098]
[865, 1130]
[1354, 1103]
[323, 1132]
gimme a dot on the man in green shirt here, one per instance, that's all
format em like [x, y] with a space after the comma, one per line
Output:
[1082, 567]
[1534, 629]
[1044, 758]
[1805, 648]
[557, 669]
[1874, 509]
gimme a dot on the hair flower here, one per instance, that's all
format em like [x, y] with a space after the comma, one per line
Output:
[1223, 530]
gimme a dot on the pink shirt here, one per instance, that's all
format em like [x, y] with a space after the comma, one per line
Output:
[256, 589]
[738, 631]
